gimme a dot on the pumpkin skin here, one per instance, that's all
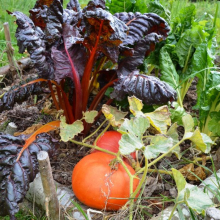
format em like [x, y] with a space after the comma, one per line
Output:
[93, 182]
[110, 141]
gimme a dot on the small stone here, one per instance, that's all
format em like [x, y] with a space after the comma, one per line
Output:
[212, 214]
[173, 192]
[167, 186]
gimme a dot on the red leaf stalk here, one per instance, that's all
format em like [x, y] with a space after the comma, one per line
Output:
[78, 100]
[87, 71]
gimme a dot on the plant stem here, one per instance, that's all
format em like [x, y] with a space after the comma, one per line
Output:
[104, 130]
[94, 147]
[94, 131]
[88, 69]
[162, 156]
[78, 97]
[171, 214]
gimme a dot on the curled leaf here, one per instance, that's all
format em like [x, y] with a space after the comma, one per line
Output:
[114, 116]
[147, 88]
[160, 119]
[15, 175]
[19, 95]
[144, 25]
[127, 16]
[135, 106]
[31, 38]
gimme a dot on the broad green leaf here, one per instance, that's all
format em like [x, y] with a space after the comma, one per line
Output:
[89, 116]
[135, 126]
[114, 116]
[68, 132]
[179, 179]
[189, 40]
[172, 132]
[195, 198]
[159, 144]
[168, 70]
[135, 106]
[188, 123]
[214, 123]
[120, 5]
[184, 19]
[202, 59]
[157, 8]
[201, 141]
[140, 6]
[129, 143]
[177, 113]
[160, 119]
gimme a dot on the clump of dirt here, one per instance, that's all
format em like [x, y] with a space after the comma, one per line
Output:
[25, 116]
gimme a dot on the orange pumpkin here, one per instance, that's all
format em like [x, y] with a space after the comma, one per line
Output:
[110, 141]
[97, 185]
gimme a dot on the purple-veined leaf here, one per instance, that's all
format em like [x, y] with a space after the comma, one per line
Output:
[54, 21]
[31, 38]
[144, 25]
[142, 48]
[112, 34]
[147, 88]
[74, 5]
[15, 176]
[62, 64]
[127, 16]
[19, 95]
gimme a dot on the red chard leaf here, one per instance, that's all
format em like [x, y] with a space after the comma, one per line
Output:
[74, 5]
[62, 64]
[147, 88]
[31, 38]
[145, 24]
[141, 48]
[15, 176]
[127, 16]
[54, 21]
[19, 95]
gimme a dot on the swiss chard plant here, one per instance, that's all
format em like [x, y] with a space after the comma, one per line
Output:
[137, 136]
[72, 48]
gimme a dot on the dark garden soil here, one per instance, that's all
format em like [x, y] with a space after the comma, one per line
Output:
[30, 112]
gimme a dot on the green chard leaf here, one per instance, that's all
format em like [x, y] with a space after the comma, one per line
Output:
[214, 123]
[68, 132]
[120, 5]
[177, 113]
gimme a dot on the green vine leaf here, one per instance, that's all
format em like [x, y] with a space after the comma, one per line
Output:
[68, 132]
[179, 179]
[188, 123]
[202, 141]
[136, 106]
[159, 144]
[89, 116]
[172, 132]
[160, 119]
[135, 126]
[114, 116]
[129, 143]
